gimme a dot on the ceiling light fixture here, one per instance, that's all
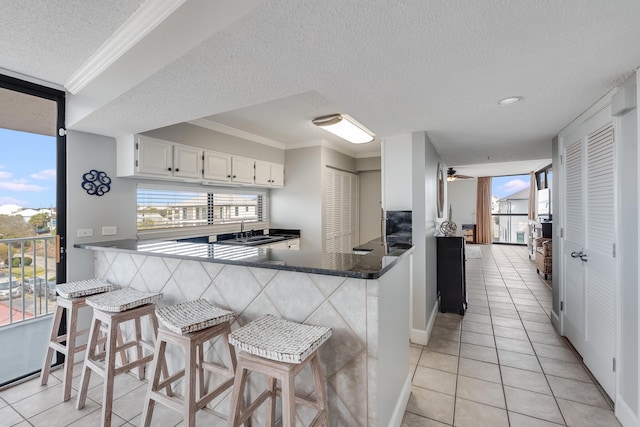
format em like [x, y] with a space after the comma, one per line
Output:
[510, 100]
[345, 127]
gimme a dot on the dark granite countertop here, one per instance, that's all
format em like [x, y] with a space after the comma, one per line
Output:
[370, 266]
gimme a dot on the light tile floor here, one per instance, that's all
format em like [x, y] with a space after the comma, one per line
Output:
[502, 364]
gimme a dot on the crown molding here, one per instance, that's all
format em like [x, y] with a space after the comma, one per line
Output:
[141, 23]
[218, 127]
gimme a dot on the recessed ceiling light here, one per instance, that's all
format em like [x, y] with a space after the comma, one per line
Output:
[510, 100]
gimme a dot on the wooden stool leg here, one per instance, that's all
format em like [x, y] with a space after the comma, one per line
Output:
[46, 369]
[86, 371]
[190, 362]
[109, 376]
[120, 342]
[321, 391]
[237, 397]
[138, 333]
[288, 402]
[271, 406]
[165, 369]
[156, 367]
[72, 329]
[201, 372]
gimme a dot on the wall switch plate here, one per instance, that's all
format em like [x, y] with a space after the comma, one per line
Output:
[85, 232]
[109, 231]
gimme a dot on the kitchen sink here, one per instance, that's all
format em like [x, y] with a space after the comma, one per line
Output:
[251, 241]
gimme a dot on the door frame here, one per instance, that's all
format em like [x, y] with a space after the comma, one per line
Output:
[33, 89]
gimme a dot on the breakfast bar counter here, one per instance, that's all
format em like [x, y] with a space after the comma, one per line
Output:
[363, 298]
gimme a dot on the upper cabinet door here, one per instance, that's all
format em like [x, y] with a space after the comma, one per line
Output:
[155, 157]
[187, 162]
[263, 173]
[269, 174]
[242, 170]
[217, 166]
[277, 175]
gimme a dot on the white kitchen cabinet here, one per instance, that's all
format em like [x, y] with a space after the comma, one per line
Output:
[217, 166]
[154, 157]
[293, 244]
[187, 161]
[139, 155]
[242, 170]
[279, 245]
[269, 174]
[142, 156]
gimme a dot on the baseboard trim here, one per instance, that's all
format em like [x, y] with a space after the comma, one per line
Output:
[624, 414]
[420, 336]
[555, 321]
[401, 404]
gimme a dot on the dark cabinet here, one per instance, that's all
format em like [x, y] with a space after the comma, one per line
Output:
[452, 290]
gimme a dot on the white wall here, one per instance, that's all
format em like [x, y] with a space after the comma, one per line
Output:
[370, 205]
[627, 155]
[396, 173]
[87, 151]
[299, 204]
[462, 194]
[415, 191]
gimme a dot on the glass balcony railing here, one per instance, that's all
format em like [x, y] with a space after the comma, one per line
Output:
[27, 278]
[510, 228]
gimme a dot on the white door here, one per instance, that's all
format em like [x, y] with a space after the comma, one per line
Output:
[601, 267]
[574, 301]
[242, 170]
[590, 273]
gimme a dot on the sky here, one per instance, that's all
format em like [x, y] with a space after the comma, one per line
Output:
[502, 186]
[27, 169]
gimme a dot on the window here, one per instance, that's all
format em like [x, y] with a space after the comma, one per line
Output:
[161, 208]
[510, 209]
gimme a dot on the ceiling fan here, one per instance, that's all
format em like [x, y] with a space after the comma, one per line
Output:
[451, 175]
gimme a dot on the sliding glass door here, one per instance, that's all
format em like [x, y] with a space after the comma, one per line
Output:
[32, 221]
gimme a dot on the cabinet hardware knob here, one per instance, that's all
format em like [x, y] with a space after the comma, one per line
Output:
[169, 169]
[228, 176]
[177, 170]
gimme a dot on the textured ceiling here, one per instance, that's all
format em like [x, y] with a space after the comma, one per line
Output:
[396, 66]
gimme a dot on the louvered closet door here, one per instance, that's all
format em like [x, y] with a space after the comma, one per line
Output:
[590, 275]
[574, 301]
[340, 210]
[601, 271]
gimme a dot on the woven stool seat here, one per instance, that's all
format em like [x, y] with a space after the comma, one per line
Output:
[277, 339]
[83, 288]
[122, 300]
[72, 299]
[192, 316]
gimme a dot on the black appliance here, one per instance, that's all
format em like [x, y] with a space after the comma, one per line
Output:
[398, 227]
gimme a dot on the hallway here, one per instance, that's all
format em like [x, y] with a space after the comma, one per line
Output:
[502, 364]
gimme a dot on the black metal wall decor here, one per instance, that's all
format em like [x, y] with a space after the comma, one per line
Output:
[96, 182]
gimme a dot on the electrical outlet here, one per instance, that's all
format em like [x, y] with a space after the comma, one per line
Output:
[85, 232]
[109, 231]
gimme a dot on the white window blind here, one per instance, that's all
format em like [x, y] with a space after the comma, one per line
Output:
[168, 208]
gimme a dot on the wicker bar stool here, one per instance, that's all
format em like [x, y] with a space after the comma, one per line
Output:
[113, 309]
[189, 325]
[280, 349]
[71, 297]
